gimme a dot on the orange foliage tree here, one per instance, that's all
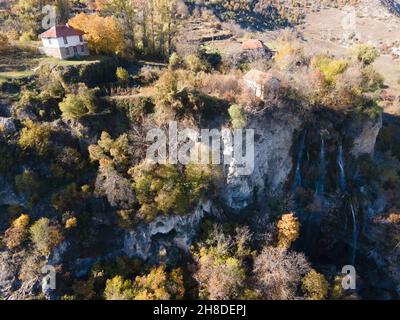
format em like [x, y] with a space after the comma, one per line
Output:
[102, 33]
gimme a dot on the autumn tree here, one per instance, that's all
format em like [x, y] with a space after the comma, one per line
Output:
[115, 150]
[18, 232]
[314, 285]
[158, 284]
[221, 273]
[278, 272]
[168, 189]
[238, 116]
[45, 235]
[288, 230]
[119, 288]
[148, 25]
[102, 33]
[4, 43]
[35, 136]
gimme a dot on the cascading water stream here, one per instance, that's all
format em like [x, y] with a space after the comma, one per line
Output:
[355, 235]
[298, 181]
[340, 163]
[320, 185]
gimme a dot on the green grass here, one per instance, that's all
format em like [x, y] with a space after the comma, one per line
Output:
[10, 75]
[70, 62]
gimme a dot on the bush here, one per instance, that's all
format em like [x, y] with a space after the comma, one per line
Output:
[122, 74]
[107, 148]
[72, 107]
[329, 68]
[17, 233]
[118, 288]
[35, 136]
[168, 189]
[157, 285]
[195, 64]
[366, 54]
[175, 61]
[221, 272]
[160, 285]
[27, 183]
[315, 286]
[27, 36]
[238, 116]
[45, 235]
[4, 43]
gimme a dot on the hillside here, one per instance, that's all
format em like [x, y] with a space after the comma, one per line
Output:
[200, 150]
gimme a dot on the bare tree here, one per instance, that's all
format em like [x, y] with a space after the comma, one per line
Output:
[278, 272]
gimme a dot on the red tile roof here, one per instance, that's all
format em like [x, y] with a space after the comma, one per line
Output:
[61, 31]
[252, 44]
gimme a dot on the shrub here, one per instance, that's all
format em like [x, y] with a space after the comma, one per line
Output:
[107, 148]
[122, 74]
[157, 285]
[4, 43]
[71, 223]
[18, 232]
[67, 198]
[289, 56]
[288, 230]
[167, 188]
[329, 68]
[118, 288]
[160, 285]
[45, 235]
[315, 286]
[195, 64]
[238, 116]
[27, 36]
[365, 53]
[27, 183]
[35, 136]
[175, 61]
[221, 272]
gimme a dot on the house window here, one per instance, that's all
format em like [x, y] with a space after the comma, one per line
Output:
[65, 40]
[67, 51]
[80, 38]
[49, 41]
[82, 48]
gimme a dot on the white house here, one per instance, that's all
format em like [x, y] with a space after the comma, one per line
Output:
[264, 85]
[63, 42]
[256, 80]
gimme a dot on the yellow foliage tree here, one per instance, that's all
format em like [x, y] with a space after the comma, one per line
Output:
[102, 33]
[288, 230]
[315, 285]
[4, 43]
[18, 232]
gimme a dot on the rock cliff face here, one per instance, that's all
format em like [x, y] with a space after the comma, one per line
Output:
[147, 240]
[277, 141]
[273, 135]
[365, 134]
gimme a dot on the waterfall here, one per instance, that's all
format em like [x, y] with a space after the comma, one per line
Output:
[340, 163]
[298, 181]
[355, 235]
[320, 185]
